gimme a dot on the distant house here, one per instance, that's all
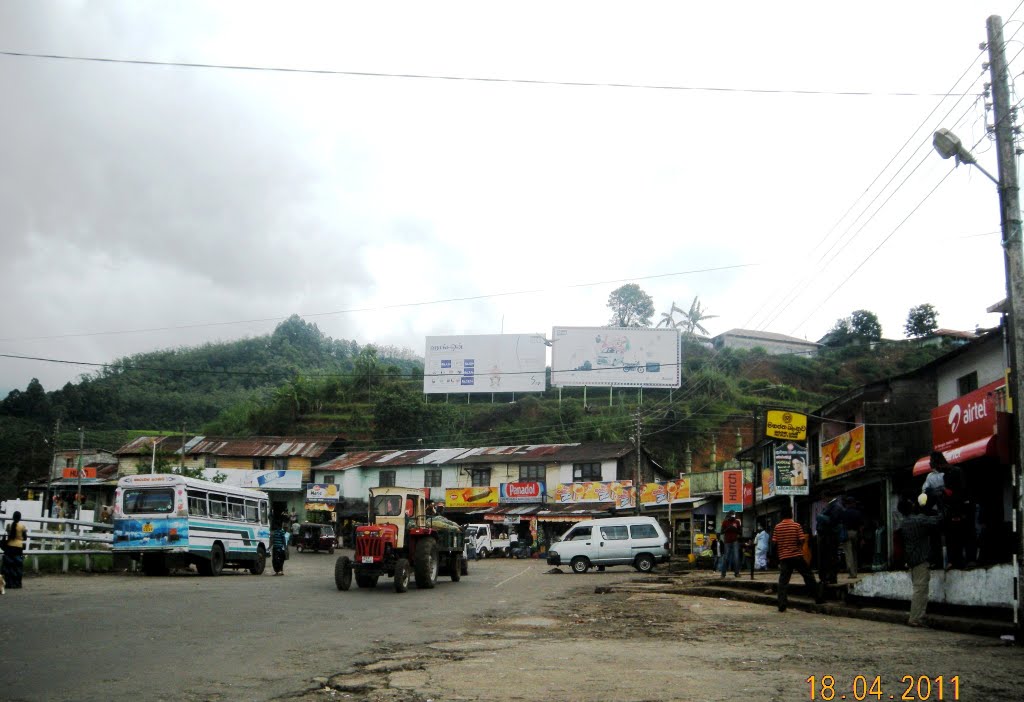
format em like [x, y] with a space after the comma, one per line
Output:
[948, 337]
[774, 344]
[93, 461]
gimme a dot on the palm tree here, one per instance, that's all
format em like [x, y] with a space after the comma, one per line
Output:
[668, 319]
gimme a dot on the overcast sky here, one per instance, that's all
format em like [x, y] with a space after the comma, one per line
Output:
[186, 201]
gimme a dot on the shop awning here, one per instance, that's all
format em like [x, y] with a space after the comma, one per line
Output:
[990, 447]
[574, 512]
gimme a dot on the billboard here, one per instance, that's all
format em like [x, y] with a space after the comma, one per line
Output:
[843, 453]
[471, 497]
[522, 492]
[653, 494]
[732, 491]
[484, 363]
[619, 492]
[791, 474]
[615, 357]
[321, 492]
[968, 418]
[783, 424]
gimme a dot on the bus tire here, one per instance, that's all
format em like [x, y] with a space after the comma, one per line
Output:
[260, 564]
[216, 560]
[343, 573]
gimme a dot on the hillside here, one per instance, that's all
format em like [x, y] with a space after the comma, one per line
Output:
[298, 381]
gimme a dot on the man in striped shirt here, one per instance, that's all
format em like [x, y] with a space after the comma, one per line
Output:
[789, 537]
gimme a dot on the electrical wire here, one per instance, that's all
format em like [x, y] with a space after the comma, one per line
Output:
[480, 79]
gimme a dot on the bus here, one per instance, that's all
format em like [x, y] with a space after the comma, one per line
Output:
[170, 521]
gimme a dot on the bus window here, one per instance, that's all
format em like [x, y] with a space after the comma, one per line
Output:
[251, 511]
[197, 504]
[236, 508]
[264, 517]
[218, 506]
[149, 501]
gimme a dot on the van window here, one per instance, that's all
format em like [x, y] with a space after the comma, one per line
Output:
[578, 534]
[614, 533]
[643, 531]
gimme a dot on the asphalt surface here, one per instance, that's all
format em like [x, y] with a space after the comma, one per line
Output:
[239, 636]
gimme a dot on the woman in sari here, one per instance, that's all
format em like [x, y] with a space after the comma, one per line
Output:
[14, 549]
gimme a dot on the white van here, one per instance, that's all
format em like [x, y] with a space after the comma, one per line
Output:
[635, 541]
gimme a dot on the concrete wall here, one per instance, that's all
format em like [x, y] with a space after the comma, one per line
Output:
[981, 587]
[986, 358]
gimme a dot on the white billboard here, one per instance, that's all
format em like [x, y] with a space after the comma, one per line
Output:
[617, 357]
[485, 363]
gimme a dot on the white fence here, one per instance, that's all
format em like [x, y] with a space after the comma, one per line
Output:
[64, 538]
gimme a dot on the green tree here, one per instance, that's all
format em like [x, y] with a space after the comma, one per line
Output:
[922, 320]
[693, 319]
[630, 306]
[865, 325]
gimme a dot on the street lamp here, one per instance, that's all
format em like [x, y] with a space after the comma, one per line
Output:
[948, 145]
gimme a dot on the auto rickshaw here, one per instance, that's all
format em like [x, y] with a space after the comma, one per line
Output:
[316, 537]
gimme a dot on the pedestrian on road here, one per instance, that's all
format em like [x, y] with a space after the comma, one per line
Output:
[279, 548]
[828, 524]
[13, 566]
[789, 538]
[761, 549]
[917, 531]
[732, 528]
[853, 522]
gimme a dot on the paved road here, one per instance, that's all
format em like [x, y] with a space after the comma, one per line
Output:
[240, 637]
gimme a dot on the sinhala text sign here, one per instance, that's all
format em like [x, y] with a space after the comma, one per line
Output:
[614, 357]
[484, 363]
[791, 474]
[786, 425]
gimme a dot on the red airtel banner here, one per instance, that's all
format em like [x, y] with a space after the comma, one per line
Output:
[966, 419]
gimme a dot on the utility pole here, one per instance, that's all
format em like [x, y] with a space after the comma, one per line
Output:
[636, 470]
[56, 444]
[78, 493]
[1009, 205]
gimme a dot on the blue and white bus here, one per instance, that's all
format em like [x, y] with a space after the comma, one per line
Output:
[169, 521]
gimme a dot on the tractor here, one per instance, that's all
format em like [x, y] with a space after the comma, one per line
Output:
[402, 540]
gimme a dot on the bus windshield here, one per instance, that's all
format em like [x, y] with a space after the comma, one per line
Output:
[149, 501]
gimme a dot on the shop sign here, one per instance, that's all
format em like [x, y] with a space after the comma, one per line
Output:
[786, 425]
[73, 473]
[321, 492]
[619, 492]
[511, 521]
[767, 487]
[471, 497]
[512, 493]
[966, 419]
[665, 493]
[290, 480]
[748, 495]
[732, 490]
[842, 454]
[791, 474]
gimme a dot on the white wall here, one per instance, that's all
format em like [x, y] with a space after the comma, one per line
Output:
[608, 471]
[988, 360]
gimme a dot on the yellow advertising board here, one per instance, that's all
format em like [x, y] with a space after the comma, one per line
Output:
[652, 494]
[843, 453]
[783, 424]
[620, 492]
[471, 497]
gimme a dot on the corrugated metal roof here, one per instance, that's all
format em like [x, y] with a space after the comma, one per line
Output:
[514, 454]
[303, 446]
[539, 453]
[144, 444]
[384, 459]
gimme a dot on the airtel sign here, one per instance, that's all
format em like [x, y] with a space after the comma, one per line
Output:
[966, 419]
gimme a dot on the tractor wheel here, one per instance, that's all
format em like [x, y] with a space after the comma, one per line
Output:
[463, 566]
[343, 573]
[401, 575]
[455, 568]
[366, 581]
[260, 564]
[425, 565]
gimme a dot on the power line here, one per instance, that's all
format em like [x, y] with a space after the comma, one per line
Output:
[479, 79]
[380, 308]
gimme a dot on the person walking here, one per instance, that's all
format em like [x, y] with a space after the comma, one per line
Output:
[917, 531]
[279, 548]
[789, 538]
[828, 524]
[13, 566]
[853, 522]
[732, 528]
[761, 549]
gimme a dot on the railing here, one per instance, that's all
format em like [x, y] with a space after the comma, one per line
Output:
[65, 538]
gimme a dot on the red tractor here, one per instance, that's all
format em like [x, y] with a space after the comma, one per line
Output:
[402, 540]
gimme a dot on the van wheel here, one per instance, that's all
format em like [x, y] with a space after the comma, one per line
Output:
[644, 563]
[482, 553]
[580, 564]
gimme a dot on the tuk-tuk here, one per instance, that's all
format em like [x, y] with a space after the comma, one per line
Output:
[316, 537]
